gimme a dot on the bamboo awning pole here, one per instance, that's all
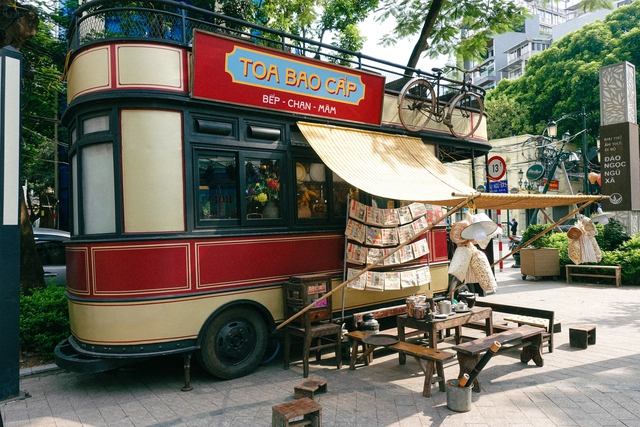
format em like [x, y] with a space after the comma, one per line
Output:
[545, 231]
[325, 296]
[548, 219]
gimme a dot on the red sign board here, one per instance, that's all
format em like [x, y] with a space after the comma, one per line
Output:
[230, 70]
[497, 168]
[554, 185]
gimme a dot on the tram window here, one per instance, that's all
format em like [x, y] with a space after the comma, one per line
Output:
[98, 197]
[342, 191]
[262, 188]
[312, 189]
[217, 190]
[95, 124]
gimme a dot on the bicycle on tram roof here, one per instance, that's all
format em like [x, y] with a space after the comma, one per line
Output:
[462, 113]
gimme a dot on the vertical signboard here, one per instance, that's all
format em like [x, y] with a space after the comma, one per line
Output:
[619, 151]
[620, 168]
[10, 67]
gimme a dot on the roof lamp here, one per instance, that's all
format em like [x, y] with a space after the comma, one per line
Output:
[552, 129]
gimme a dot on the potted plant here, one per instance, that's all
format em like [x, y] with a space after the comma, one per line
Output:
[538, 259]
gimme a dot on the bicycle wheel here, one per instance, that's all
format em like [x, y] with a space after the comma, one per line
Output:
[465, 114]
[416, 104]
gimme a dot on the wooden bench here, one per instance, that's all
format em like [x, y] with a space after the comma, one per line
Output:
[616, 269]
[548, 315]
[429, 359]
[527, 337]
[535, 321]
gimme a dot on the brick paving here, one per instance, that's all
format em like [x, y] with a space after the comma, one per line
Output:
[597, 386]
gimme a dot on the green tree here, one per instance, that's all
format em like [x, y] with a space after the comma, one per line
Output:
[314, 19]
[504, 115]
[564, 78]
[461, 27]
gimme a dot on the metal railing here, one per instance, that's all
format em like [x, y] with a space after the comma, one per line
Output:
[174, 22]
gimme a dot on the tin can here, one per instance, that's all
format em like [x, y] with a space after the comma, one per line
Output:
[411, 303]
[420, 311]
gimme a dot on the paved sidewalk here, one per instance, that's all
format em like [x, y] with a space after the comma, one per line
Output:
[599, 386]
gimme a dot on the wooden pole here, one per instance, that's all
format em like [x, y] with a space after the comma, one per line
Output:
[545, 231]
[325, 296]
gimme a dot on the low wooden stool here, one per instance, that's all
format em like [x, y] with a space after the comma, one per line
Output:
[309, 387]
[582, 336]
[288, 414]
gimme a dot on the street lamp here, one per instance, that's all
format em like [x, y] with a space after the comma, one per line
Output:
[527, 185]
[552, 130]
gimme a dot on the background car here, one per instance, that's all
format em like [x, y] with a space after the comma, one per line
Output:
[50, 244]
[565, 226]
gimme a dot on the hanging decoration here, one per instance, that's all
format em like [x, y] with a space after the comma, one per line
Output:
[468, 263]
[583, 246]
[373, 233]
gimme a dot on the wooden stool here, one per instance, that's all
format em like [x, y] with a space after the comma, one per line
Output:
[582, 336]
[288, 414]
[309, 387]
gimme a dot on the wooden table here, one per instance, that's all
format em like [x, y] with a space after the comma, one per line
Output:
[433, 326]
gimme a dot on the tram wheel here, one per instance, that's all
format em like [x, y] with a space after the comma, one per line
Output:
[233, 343]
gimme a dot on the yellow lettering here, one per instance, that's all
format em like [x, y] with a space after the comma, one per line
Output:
[290, 77]
[340, 87]
[246, 62]
[256, 73]
[302, 77]
[273, 71]
[351, 87]
[330, 81]
[314, 81]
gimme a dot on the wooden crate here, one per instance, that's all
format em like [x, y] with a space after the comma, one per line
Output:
[300, 291]
[540, 262]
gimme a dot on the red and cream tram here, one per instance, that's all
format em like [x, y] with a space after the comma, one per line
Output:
[194, 192]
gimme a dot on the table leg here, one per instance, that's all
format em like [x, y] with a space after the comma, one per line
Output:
[458, 334]
[402, 358]
[433, 338]
[489, 325]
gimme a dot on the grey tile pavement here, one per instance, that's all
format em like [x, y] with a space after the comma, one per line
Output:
[598, 386]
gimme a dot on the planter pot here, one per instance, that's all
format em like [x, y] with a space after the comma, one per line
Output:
[271, 210]
[516, 258]
[539, 262]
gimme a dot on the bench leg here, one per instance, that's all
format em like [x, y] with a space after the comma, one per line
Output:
[467, 363]
[440, 370]
[428, 369]
[533, 351]
[354, 354]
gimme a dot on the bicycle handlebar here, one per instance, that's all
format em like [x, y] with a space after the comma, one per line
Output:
[462, 70]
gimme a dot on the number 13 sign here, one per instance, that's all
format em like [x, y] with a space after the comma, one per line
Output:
[497, 168]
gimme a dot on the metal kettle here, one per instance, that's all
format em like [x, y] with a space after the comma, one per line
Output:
[444, 307]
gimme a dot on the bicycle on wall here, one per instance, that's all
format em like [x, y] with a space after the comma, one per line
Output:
[462, 113]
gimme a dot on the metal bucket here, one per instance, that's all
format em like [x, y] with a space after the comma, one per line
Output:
[458, 398]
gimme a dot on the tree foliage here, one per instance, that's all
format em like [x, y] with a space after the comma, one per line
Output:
[463, 27]
[564, 78]
[314, 19]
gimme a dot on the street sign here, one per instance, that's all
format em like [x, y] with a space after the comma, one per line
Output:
[535, 172]
[497, 168]
[499, 186]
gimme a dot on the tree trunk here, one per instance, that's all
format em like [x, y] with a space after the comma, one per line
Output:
[31, 271]
[421, 44]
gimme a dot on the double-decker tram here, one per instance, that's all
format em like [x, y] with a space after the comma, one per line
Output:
[198, 185]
